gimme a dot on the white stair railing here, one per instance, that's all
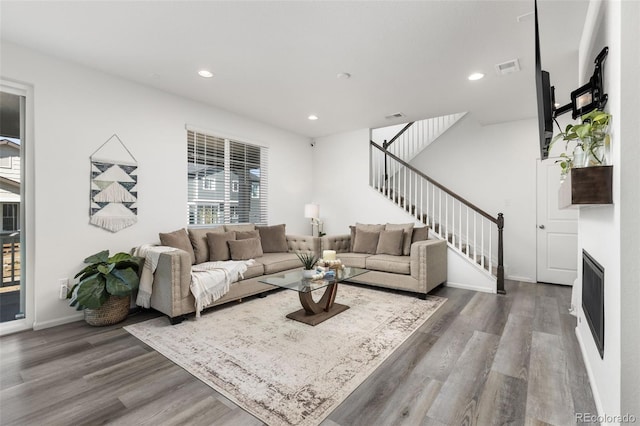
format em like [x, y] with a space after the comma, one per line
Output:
[417, 137]
[467, 229]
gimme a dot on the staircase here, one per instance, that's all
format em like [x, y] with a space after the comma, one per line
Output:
[473, 233]
[415, 136]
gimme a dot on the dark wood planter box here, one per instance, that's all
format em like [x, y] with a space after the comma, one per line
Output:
[587, 186]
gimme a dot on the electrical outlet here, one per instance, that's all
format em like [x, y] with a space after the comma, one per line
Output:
[64, 287]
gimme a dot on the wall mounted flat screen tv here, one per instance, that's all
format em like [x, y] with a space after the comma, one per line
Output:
[545, 111]
[545, 97]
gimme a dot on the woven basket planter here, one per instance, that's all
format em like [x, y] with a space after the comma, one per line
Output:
[114, 310]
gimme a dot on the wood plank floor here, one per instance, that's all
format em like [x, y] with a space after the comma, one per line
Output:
[482, 359]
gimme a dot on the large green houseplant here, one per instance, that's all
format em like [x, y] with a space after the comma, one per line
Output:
[592, 140]
[106, 283]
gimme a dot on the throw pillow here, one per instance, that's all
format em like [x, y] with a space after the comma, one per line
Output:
[245, 249]
[198, 237]
[408, 232]
[391, 242]
[352, 231]
[242, 228]
[244, 235]
[273, 238]
[178, 239]
[366, 242]
[364, 227]
[218, 248]
[420, 234]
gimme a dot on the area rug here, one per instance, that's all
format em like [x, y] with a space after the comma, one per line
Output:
[282, 371]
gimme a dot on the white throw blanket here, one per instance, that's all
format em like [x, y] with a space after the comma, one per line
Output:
[209, 281]
[212, 280]
[151, 253]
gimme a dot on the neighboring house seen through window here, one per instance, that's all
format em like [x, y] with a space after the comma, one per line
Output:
[224, 180]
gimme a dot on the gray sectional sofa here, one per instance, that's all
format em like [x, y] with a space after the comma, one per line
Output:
[423, 267]
[420, 266]
[171, 283]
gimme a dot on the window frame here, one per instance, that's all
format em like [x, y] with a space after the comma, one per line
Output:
[236, 201]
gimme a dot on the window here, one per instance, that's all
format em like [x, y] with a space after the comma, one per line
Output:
[224, 180]
[10, 217]
[209, 183]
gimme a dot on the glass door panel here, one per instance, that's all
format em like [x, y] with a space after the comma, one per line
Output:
[12, 300]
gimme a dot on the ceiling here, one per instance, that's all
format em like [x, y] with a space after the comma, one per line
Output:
[277, 62]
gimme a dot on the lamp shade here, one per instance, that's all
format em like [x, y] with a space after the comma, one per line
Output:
[311, 211]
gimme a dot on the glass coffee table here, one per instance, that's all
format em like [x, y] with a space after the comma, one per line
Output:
[313, 313]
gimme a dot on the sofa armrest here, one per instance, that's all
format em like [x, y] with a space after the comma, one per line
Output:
[171, 282]
[303, 243]
[429, 262]
[339, 243]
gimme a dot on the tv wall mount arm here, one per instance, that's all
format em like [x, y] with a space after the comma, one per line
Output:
[589, 96]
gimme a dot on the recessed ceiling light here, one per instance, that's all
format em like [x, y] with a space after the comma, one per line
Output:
[205, 73]
[344, 76]
[475, 76]
[313, 117]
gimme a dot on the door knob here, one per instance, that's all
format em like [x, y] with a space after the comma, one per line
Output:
[541, 226]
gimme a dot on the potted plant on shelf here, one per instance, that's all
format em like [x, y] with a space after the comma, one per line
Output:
[105, 286]
[592, 139]
[309, 261]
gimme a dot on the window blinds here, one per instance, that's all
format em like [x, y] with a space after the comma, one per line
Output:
[227, 180]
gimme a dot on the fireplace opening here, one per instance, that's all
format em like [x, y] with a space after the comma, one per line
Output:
[593, 298]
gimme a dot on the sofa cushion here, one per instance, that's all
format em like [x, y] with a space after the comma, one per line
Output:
[391, 242]
[388, 263]
[245, 235]
[356, 260]
[254, 270]
[178, 239]
[278, 262]
[408, 233]
[420, 234]
[274, 238]
[364, 227]
[218, 248]
[242, 227]
[245, 249]
[366, 241]
[198, 237]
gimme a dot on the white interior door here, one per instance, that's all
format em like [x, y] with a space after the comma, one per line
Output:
[557, 230]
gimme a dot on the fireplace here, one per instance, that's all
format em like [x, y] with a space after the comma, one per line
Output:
[593, 298]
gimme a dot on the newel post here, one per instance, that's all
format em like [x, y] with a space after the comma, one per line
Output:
[500, 271]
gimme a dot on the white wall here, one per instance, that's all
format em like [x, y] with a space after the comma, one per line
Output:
[75, 110]
[630, 201]
[494, 167]
[341, 184]
[609, 233]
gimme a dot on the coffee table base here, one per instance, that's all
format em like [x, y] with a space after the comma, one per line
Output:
[315, 319]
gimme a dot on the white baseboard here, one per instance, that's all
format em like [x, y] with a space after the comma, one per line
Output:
[522, 279]
[587, 365]
[468, 287]
[58, 321]
[15, 326]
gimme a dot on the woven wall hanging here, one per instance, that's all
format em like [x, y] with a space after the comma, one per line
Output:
[114, 186]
